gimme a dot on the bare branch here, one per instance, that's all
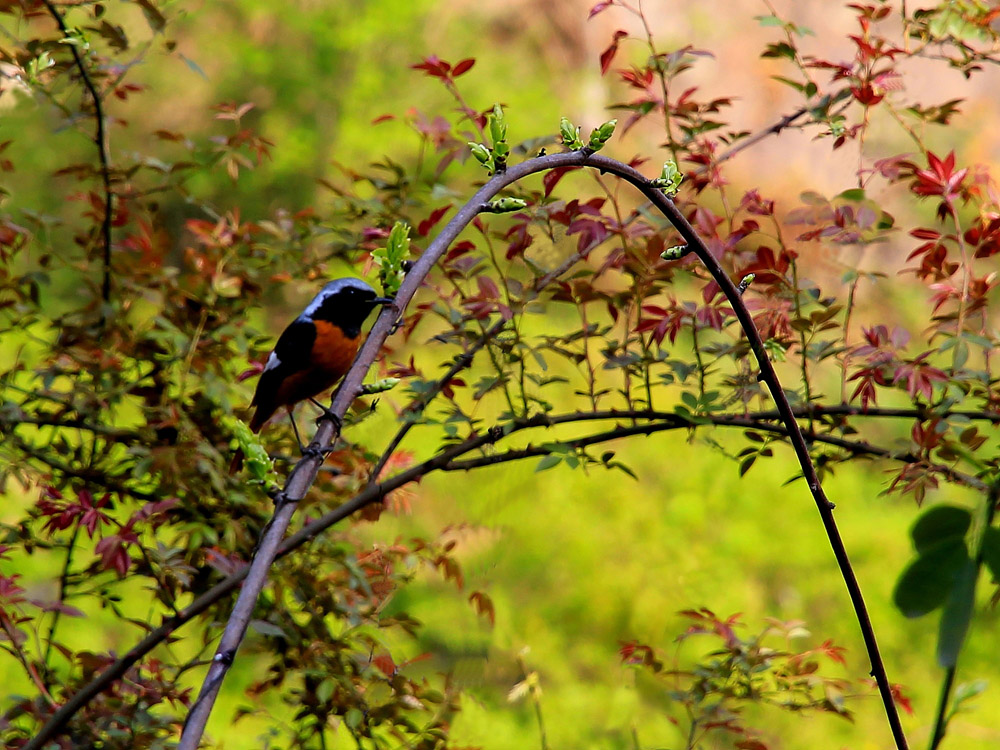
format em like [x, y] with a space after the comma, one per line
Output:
[101, 141]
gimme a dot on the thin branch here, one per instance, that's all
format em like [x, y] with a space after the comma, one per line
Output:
[63, 588]
[774, 128]
[95, 477]
[446, 461]
[941, 718]
[101, 141]
[663, 422]
[770, 377]
[305, 471]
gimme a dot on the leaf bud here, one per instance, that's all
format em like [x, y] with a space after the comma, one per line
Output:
[570, 135]
[480, 151]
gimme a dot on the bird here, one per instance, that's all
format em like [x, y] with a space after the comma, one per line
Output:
[314, 352]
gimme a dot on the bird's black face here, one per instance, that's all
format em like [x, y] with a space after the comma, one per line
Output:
[346, 303]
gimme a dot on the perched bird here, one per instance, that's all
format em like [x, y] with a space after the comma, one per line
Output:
[315, 351]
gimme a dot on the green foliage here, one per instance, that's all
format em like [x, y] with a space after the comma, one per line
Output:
[494, 157]
[258, 463]
[555, 330]
[943, 575]
[669, 180]
[601, 135]
[709, 698]
[391, 258]
[505, 205]
[570, 135]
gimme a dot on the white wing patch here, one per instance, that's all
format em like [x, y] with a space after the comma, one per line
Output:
[272, 362]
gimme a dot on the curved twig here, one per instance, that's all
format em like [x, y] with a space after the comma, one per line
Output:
[305, 471]
[101, 141]
[795, 436]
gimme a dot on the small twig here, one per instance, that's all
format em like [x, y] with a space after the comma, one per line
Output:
[101, 141]
[94, 477]
[941, 718]
[63, 586]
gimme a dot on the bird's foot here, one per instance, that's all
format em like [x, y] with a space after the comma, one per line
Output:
[338, 423]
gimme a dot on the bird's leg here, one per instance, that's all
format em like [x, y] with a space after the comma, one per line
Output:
[308, 451]
[328, 414]
[295, 428]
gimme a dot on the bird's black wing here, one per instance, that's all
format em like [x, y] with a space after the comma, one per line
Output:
[292, 352]
[294, 346]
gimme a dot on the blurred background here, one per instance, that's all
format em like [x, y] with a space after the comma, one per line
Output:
[576, 564]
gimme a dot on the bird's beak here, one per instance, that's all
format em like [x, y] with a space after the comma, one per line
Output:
[384, 300]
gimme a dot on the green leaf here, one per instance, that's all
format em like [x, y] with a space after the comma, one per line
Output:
[939, 523]
[669, 180]
[927, 581]
[480, 151]
[957, 614]
[325, 690]
[193, 65]
[991, 551]
[602, 135]
[504, 205]
[570, 135]
[966, 692]
[153, 16]
[854, 194]
[354, 718]
[690, 400]
[390, 258]
[769, 20]
[548, 462]
[379, 386]
[498, 126]
[267, 628]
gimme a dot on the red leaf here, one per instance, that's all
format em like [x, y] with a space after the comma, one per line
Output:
[602, 6]
[434, 66]
[463, 66]
[114, 554]
[383, 118]
[488, 288]
[483, 606]
[427, 224]
[385, 664]
[900, 699]
[609, 54]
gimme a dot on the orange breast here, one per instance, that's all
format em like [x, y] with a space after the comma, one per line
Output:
[333, 352]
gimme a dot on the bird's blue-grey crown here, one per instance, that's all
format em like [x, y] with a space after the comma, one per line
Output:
[345, 302]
